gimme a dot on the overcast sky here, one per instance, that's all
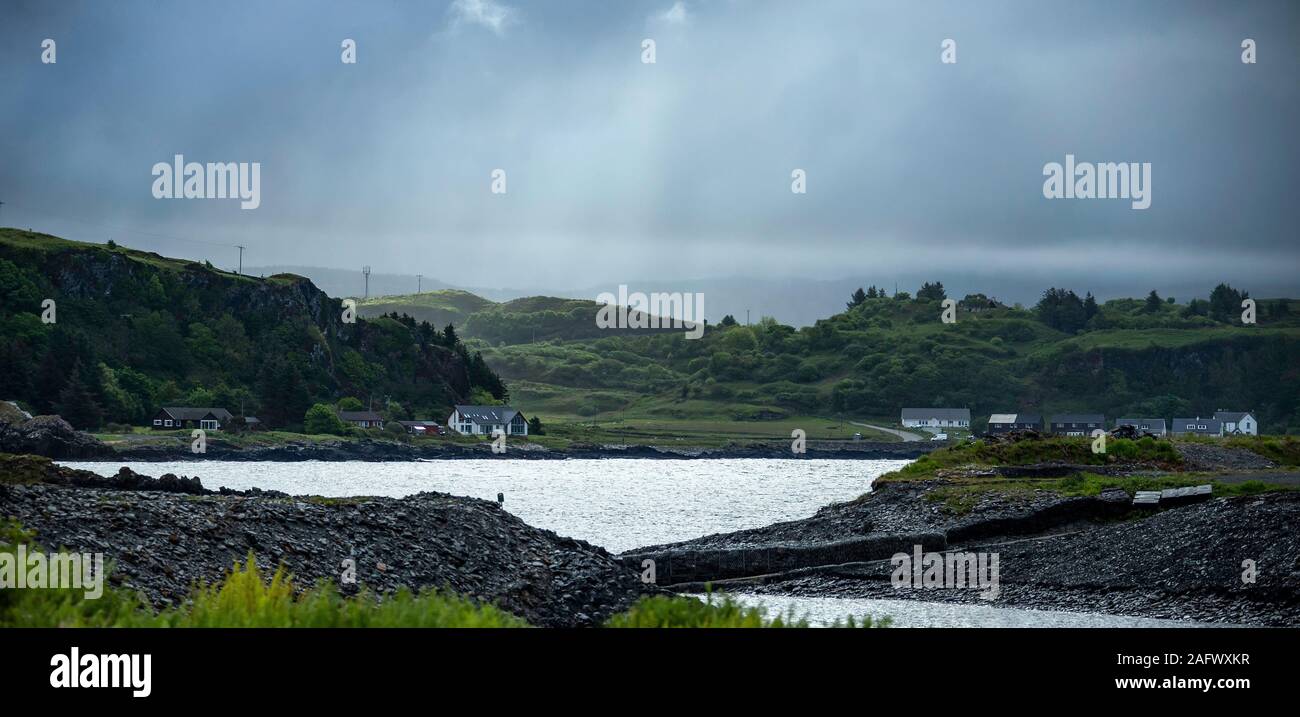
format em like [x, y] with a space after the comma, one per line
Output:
[620, 171]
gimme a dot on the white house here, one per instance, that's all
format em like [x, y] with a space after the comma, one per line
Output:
[936, 418]
[482, 420]
[1237, 422]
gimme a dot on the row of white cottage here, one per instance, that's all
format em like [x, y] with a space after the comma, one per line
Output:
[467, 420]
[1224, 423]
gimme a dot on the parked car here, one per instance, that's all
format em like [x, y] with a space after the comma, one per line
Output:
[939, 437]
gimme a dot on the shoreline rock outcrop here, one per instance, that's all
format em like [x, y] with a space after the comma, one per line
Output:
[49, 436]
[372, 450]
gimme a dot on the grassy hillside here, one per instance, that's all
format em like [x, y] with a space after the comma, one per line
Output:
[442, 307]
[131, 331]
[1131, 357]
[524, 320]
[1154, 357]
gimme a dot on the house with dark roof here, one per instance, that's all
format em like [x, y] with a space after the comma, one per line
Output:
[1237, 422]
[1076, 424]
[936, 418]
[1197, 427]
[1005, 422]
[1154, 426]
[483, 420]
[362, 419]
[171, 418]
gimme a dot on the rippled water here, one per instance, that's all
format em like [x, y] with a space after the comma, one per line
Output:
[915, 613]
[618, 504]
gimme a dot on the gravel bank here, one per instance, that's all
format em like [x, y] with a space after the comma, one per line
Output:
[1093, 554]
[1178, 564]
[168, 534]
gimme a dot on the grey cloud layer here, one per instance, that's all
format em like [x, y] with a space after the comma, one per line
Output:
[679, 169]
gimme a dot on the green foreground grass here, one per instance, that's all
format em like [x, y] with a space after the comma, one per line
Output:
[1052, 449]
[249, 597]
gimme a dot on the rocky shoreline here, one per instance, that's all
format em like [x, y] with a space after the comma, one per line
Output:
[371, 450]
[167, 534]
[1085, 553]
[1079, 554]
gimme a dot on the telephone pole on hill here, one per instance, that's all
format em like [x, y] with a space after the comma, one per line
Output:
[366, 270]
[419, 278]
[241, 259]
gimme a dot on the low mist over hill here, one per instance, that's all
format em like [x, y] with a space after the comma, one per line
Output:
[795, 301]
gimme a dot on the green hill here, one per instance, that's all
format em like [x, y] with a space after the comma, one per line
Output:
[524, 320]
[442, 307]
[1123, 357]
[132, 331]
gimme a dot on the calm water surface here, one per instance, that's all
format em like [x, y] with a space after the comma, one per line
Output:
[618, 504]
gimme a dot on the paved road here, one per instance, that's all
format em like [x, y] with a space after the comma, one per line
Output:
[1276, 477]
[901, 434]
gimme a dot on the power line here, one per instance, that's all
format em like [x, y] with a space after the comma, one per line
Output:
[128, 230]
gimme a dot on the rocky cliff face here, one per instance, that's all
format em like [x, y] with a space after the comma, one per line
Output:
[139, 310]
[49, 436]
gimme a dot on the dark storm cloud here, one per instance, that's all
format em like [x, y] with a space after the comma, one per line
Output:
[619, 170]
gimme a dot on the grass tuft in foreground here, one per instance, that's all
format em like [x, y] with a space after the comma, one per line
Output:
[247, 598]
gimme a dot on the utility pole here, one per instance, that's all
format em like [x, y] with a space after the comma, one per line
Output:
[241, 259]
[747, 317]
[366, 270]
[419, 278]
[2, 204]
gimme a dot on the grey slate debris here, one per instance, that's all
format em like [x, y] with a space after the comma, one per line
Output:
[1190, 494]
[167, 534]
[1146, 497]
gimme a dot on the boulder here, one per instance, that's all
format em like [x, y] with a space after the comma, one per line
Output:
[48, 436]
